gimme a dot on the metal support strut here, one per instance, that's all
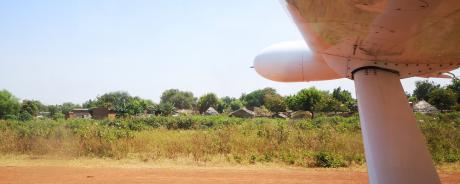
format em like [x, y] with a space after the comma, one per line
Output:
[395, 148]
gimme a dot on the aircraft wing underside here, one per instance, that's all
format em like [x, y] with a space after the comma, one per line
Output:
[391, 33]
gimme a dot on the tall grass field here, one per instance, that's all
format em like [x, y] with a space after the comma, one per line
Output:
[321, 142]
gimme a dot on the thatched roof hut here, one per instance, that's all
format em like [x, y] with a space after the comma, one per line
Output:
[211, 111]
[424, 107]
[243, 113]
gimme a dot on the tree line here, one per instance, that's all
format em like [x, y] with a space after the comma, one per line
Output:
[446, 98]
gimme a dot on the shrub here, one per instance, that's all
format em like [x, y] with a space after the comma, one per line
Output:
[330, 160]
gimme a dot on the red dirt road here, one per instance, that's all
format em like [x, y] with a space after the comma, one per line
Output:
[71, 175]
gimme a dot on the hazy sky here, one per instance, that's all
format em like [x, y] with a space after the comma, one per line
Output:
[71, 51]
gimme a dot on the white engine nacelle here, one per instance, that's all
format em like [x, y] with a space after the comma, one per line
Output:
[292, 62]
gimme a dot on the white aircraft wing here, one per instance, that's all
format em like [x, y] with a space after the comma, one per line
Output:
[422, 35]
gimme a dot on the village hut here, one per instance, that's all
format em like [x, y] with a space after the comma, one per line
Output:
[79, 113]
[242, 113]
[211, 111]
[103, 113]
[424, 107]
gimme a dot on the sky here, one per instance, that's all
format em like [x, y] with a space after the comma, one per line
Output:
[72, 51]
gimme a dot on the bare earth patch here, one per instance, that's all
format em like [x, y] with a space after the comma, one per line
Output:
[72, 174]
[23, 169]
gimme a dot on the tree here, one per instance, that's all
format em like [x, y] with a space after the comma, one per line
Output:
[54, 109]
[256, 98]
[31, 107]
[9, 105]
[180, 99]
[442, 98]
[206, 101]
[345, 98]
[333, 105]
[25, 116]
[56, 112]
[455, 87]
[134, 106]
[424, 88]
[121, 102]
[310, 99]
[59, 111]
[148, 106]
[274, 102]
[166, 108]
[224, 104]
[114, 100]
[221, 106]
[89, 104]
[410, 97]
[68, 106]
[227, 104]
[235, 105]
[227, 100]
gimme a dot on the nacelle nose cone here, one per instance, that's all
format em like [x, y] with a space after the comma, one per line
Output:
[292, 62]
[282, 62]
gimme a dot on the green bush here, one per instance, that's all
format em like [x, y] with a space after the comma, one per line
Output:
[442, 133]
[330, 160]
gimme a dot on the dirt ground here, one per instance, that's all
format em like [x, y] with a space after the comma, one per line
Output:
[70, 175]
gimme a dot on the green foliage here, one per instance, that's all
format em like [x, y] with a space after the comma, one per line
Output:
[67, 107]
[345, 98]
[424, 88]
[333, 105]
[122, 103]
[206, 101]
[442, 98]
[179, 99]
[25, 116]
[90, 104]
[221, 106]
[412, 99]
[274, 102]
[229, 104]
[326, 159]
[310, 99]
[315, 100]
[455, 87]
[31, 107]
[11, 117]
[148, 106]
[442, 133]
[236, 104]
[9, 105]
[59, 111]
[256, 98]
[166, 108]
[57, 116]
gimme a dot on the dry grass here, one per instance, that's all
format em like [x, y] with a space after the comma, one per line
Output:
[211, 141]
